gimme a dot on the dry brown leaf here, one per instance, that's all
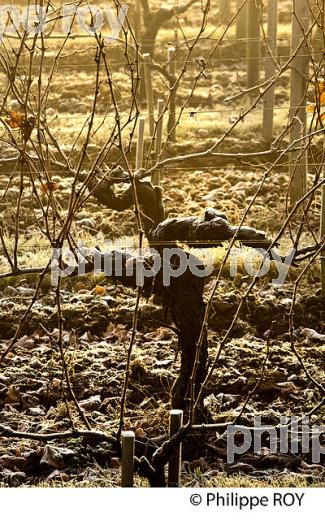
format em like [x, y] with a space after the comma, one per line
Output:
[139, 432]
[99, 290]
[13, 396]
[50, 186]
[16, 120]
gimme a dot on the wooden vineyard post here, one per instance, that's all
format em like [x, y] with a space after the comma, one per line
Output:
[298, 91]
[171, 129]
[174, 466]
[137, 19]
[159, 129]
[134, 19]
[253, 42]
[128, 441]
[140, 144]
[270, 68]
[149, 91]
[241, 21]
[224, 11]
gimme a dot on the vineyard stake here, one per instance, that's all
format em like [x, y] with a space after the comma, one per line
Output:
[149, 91]
[241, 21]
[298, 89]
[140, 143]
[159, 129]
[224, 11]
[171, 130]
[253, 42]
[137, 19]
[268, 110]
[128, 440]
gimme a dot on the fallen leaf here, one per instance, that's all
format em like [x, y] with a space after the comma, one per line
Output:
[139, 432]
[49, 186]
[16, 120]
[13, 396]
[99, 290]
[115, 463]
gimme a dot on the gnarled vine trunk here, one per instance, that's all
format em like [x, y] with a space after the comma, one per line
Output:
[183, 298]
